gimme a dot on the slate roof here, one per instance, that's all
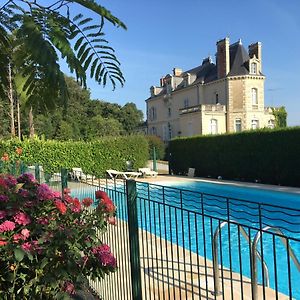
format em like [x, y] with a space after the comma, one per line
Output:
[238, 60]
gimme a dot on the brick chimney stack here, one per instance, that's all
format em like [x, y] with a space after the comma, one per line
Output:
[223, 58]
[255, 49]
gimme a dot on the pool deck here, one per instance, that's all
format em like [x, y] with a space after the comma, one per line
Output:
[169, 271]
[172, 178]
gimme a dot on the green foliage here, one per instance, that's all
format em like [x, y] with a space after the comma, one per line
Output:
[269, 156]
[93, 157]
[50, 243]
[32, 35]
[86, 119]
[280, 115]
[160, 148]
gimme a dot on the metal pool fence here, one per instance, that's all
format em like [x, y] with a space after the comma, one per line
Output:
[179, 244]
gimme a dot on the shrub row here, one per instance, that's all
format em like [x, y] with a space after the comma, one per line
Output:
[93, 157]
[269, 156]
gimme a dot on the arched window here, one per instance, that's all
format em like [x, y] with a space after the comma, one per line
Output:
[254, 96]
[253, 69]
[213, 126]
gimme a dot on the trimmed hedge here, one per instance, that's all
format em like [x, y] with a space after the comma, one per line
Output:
[268, 156]
[93, 157]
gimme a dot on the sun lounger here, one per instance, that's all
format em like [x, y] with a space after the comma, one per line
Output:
[114, 174]
[147, 172]
[78, 175]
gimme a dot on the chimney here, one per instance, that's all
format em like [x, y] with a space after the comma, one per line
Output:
[177, 72]
[255, 49]
[223, 63]
[162, 81]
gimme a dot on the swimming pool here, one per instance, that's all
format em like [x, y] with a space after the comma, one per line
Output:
[189, 213]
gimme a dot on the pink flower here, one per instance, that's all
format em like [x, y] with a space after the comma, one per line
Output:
[69, 288]
[27, 247]
[60, 206]
[101, 195]
[3, 183]
[7, 226]
[22, 218]
[104, 256]
[76, 206]
[17, 237]
[44, 192]
[43, 221]
[2, 242]
[112, 220]
[26, 178]
[3, 214]
[25, 232]
[3, 198]
[24, 193]
[107, 205]
[87, 202]
[10, 180]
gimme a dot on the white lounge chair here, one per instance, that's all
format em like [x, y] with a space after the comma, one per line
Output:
[147, 172]
[114, 174]
[77, 174]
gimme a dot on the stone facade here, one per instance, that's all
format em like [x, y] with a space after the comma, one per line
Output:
[213, 98]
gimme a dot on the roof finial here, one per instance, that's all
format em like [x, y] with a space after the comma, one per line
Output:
[240, 41]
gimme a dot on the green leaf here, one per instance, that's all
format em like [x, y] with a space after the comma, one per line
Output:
[19, 254]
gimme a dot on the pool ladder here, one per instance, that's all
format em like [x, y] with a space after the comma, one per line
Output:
[254, 255]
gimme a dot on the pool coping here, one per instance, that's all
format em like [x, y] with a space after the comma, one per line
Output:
[173, 178]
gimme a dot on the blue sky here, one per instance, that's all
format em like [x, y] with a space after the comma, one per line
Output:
[165, 34]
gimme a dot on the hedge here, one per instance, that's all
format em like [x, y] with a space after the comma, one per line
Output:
[267, 156]
[93, 157]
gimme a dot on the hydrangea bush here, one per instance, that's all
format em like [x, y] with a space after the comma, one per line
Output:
[49, 243]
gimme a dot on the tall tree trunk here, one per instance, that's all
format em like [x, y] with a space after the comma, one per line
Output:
[31, 124]
[11, 100]
[19, 118]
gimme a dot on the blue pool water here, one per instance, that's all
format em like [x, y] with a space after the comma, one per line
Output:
[197, 215]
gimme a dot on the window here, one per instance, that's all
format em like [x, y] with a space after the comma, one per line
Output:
[254, 124]
[186, 103]
[153, 113]
[213, 126]
[153, 130]
[165, 132]
[271, 124]
[238, 125]
[190, 128]
[217, 98]
[169, 88]
[254, 96]
[169, 131]
[169, 112]
[253, 68]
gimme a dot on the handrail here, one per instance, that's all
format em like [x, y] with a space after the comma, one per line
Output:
[254, 251]
[216, 271]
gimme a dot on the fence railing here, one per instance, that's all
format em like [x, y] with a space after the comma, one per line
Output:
[181, 244]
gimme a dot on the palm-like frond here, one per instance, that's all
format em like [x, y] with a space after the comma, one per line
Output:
[93, 51]
[42, 33]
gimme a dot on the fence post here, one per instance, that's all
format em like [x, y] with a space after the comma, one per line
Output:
[23, 168]
[64, 179]
[37, 173]
[134, 239]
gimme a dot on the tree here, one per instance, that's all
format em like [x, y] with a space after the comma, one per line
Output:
[280, 115]
[42, 32]
[131, 117]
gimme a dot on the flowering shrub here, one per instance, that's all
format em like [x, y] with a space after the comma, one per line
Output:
[48, 242]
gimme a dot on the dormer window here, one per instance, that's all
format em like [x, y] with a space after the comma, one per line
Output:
[217, 98]
[253, 69]
[169, 87]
